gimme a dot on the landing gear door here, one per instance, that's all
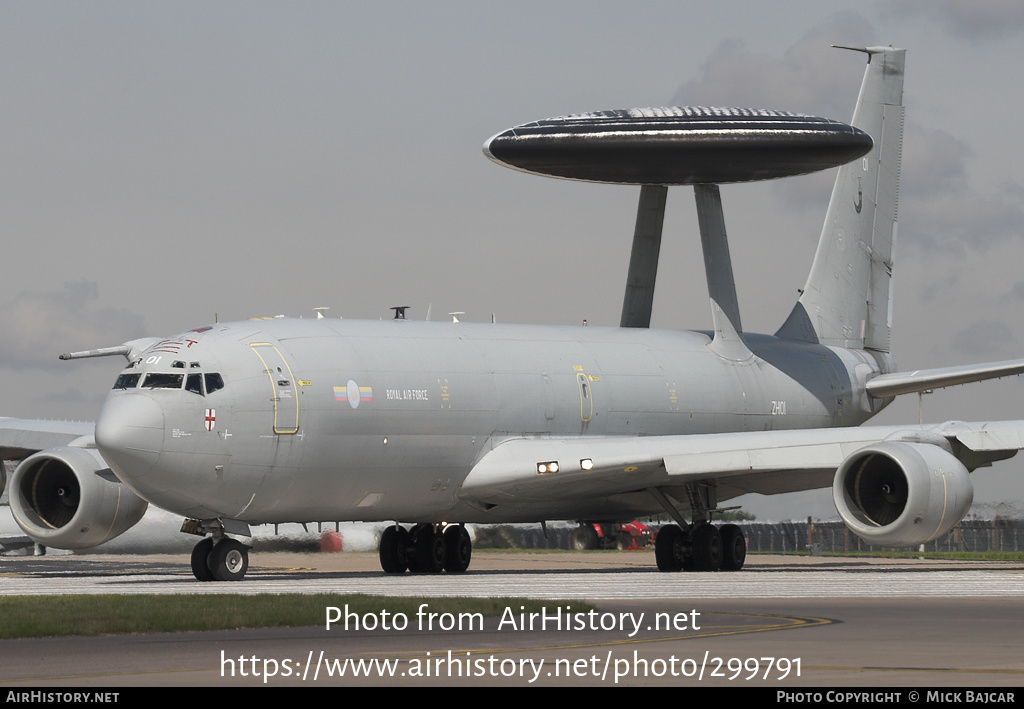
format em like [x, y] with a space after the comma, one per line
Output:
[283, 387]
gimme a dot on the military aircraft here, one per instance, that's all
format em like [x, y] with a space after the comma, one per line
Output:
[434, 425]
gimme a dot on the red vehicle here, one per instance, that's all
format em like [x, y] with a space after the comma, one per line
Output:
[630, 535]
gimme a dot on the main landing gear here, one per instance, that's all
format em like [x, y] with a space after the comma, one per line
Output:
[221, 560]
[700, 547]
[425, 548]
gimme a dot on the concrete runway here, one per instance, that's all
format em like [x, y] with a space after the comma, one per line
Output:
[832, 622]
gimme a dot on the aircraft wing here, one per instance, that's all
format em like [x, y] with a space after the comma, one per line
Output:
[766, 462]
[21, 437]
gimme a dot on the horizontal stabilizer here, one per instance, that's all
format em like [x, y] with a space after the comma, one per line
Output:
[887, 385]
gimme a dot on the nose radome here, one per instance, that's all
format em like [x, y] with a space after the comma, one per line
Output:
[130, 433]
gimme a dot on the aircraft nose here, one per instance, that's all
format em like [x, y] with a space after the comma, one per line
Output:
[130, 433]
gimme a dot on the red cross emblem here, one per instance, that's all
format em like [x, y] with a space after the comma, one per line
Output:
[211, 418]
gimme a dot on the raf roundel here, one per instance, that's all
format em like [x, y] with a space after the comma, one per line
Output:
[353, 393]
[678, 146]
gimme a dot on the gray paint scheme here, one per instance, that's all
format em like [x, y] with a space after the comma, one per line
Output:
[643, 259]
[430, 422]
[855, 254]
[444, 396]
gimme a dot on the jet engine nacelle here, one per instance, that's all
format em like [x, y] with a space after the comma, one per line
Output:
[59, 500]
[895, 493]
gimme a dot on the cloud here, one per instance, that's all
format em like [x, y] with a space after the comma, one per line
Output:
[36, 327]
[978, 20]
[805, 80]
[811, 78]
[933, 162]
[985, 336]
[961, 220]
[938, 203]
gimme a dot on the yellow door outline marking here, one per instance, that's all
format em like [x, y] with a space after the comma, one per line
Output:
[273, 386]
[586, 396]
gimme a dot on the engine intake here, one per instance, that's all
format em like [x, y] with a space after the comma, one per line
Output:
[896, 493]
[58, 499]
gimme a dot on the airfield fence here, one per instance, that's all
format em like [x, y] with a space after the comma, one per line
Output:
[781, 537]
[969, 536]
[522, 536]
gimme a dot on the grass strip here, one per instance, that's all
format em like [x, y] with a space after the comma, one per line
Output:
[49, 616]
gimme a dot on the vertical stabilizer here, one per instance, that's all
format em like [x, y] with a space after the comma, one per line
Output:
[847, 301]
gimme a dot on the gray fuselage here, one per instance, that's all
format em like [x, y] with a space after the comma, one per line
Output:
[325, 420]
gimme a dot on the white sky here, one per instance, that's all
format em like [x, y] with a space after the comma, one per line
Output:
[161, 163]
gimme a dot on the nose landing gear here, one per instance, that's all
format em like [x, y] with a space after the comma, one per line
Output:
[223, 560]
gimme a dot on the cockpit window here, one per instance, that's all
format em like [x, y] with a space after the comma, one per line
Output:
[160, 380]
[194, 384]
[214, 382]
[127, 381]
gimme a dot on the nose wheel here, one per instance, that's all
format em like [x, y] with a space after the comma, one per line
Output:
[224, 560]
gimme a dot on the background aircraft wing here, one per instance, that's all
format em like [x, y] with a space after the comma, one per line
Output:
[766, 462]
[21, 437]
